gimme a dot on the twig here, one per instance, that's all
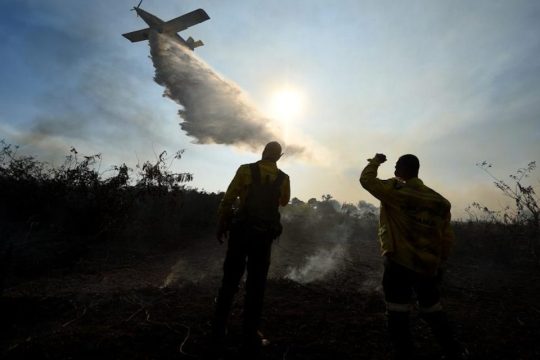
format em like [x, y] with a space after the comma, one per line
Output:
[135, 313]
[286, 353]
[77, 318]
[181, 348]
[14, 346]
[144, 307]
[147, 315]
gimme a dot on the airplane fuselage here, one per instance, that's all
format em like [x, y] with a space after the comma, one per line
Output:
[157, 24]
[153, 21]
[170, 28]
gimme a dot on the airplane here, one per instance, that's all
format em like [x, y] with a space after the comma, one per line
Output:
[170, 27]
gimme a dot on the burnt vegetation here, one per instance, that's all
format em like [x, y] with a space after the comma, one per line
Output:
[122, 263]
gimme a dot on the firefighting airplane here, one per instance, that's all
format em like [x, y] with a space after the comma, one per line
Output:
[170, 27]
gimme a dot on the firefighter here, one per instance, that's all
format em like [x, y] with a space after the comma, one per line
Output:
[415, 238]
[259, 189]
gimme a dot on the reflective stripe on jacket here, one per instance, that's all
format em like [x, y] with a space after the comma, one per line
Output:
[414, 224]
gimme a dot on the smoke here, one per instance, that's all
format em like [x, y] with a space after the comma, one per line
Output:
[315, 244]
[215, 110]
[186, 270]
[317, 266]
[177, 270]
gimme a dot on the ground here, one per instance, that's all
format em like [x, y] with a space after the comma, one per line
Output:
[158, 304]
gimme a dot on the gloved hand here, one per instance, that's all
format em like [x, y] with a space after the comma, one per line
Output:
[441, 272]
[380, 158]
[222, 232]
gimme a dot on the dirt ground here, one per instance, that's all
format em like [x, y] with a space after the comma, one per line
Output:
[158, 306]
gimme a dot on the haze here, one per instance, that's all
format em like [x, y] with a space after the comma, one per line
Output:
[454, 82]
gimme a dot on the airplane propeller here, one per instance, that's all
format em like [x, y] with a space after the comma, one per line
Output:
[136, 7]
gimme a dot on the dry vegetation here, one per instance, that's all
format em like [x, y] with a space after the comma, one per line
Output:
[125, 266]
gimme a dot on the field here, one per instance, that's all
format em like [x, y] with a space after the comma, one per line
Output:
[95, 268]
[155, 301]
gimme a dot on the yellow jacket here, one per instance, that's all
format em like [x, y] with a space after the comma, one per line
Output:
[237, 190]
[414, 224]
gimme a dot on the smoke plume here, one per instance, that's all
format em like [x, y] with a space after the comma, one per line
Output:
[215, 110]
[318, 265]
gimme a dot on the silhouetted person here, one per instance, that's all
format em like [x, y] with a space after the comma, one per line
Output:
[416, 238]
[259, 188]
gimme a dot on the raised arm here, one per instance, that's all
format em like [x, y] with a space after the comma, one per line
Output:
[368, 179]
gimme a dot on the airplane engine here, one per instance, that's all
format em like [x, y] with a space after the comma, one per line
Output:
[193, 44]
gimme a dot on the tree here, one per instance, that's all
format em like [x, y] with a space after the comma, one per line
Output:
[526, 209]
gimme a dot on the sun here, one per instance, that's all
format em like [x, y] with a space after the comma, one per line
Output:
[286, 104]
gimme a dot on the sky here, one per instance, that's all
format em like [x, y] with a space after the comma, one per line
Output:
[454, 82]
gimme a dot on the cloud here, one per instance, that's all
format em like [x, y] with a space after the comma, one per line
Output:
[214, 110]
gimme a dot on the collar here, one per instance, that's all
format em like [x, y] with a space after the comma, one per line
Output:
[414, 182]
[267, 163]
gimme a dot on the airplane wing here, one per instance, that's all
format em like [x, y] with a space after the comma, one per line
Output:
[138, 35]
[183, 22]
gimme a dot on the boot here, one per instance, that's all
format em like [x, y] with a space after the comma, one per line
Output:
[400, 335]
[452, 349]
[251, 347]
[218, 333]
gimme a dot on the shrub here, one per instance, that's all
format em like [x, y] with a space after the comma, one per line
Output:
[522, 220]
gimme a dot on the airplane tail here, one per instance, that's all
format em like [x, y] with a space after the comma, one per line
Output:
[194, 44]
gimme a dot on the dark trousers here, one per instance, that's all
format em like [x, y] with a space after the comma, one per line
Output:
[399, 285]
[251, 250]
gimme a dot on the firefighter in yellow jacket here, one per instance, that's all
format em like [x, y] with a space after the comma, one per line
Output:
[415, 238]
[248, 216]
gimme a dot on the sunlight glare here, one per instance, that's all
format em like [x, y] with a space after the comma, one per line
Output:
[286, 104]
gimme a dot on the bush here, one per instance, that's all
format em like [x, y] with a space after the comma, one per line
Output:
[518, 224]
[50, 216]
